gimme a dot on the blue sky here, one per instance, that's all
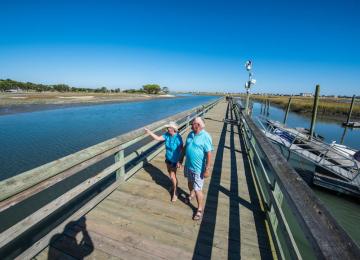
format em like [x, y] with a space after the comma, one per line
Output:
[184, 45]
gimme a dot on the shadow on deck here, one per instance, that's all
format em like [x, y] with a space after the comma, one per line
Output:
[205, 239]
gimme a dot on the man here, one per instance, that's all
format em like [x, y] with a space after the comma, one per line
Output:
[198, 149]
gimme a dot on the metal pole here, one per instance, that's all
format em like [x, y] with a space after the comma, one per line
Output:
[315, 107]
[247, 103]
[248, 84]
[350, 110]
[287, 111]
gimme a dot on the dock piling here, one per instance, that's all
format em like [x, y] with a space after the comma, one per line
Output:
[315, 107]
[287, 111]
[350, 110]
[343, 135]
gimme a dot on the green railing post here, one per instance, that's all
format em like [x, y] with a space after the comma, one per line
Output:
[287, 111]
[119, 157]
[314, 113]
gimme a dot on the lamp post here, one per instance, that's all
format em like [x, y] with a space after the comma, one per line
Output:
[248, 84]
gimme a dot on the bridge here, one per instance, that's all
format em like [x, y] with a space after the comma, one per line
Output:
[257, 207]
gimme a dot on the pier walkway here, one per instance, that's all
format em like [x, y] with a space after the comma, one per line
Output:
[138, 220]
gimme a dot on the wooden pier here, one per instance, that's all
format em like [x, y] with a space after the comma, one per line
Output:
[257, 206]
[138, 220]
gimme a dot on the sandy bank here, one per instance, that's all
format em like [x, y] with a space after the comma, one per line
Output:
[11, 103]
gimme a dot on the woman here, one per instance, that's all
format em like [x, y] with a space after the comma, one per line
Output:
[173, 145]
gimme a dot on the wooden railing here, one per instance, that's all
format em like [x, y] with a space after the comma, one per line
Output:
[15, 190]
[301, 226]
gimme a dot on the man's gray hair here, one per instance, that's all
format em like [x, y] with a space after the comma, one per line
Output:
[199, 121]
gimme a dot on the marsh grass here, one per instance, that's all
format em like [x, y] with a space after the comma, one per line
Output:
[338, 107]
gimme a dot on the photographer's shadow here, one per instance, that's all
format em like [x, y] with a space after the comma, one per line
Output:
[74, 241]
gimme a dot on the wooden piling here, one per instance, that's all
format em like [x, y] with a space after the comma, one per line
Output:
[315, 107]
[350, 110]
[287, 111]
[343, 135]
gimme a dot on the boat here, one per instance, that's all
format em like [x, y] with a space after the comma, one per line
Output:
[330, 166]
[306, 131]
[351, 124]
[302, 130]
[343, 149]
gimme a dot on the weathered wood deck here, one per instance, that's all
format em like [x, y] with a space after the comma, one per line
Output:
[138, 221]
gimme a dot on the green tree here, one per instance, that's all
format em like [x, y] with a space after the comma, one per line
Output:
[151, 88]
[61, 88]
[131, 90]
[103, 89]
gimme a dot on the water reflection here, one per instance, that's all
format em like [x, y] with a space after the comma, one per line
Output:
[343, 135]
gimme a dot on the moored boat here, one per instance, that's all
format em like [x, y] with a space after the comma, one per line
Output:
[330, 166]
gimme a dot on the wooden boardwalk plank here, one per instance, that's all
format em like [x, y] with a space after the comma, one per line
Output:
[138, 221]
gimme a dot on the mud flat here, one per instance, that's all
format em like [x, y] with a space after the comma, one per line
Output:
[11, 103]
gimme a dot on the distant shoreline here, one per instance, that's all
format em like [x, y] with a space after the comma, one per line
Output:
[31, 102]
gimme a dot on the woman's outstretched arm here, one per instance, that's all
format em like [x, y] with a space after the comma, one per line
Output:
[154, 136]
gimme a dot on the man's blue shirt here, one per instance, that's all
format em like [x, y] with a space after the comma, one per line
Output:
[173, 146]
[197, 145]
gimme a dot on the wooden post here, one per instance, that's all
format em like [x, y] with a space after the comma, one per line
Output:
[315, 107]
[119, 157]
[265, 106]
[343, 135]
[187, 121]
[268, 107]
[287, 111]
[350, 110]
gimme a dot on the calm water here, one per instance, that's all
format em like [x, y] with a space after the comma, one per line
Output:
[345, 210]
[28, 140]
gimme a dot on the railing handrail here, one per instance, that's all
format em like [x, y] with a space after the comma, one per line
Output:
[326, 237]
[28, 179]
